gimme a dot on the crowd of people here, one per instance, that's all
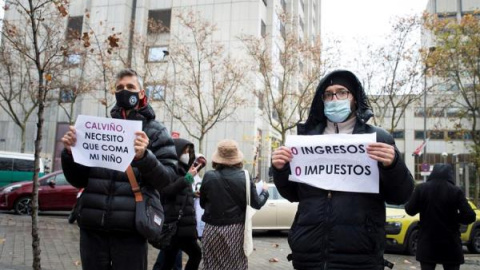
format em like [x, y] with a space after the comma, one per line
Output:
[332, 229]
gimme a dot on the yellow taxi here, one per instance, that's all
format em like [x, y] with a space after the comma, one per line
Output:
[402, 231]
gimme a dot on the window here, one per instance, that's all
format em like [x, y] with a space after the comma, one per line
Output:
[447, 87]
[455, 135]
[263, 28]
[73, 59]
[436, 112]
[399, 134]
[264, 2]
[418, 135]
[302, 5]
[436, 134]
[66, 96]
[284, 5]
[275, 115]
[74, 27]
[419, 112]
[23, 165]
[260, 101]
[60, 180]
[155, 92]
[159, 21]
[6, 164]
[454, 112]
[302, 25]
[156, 54]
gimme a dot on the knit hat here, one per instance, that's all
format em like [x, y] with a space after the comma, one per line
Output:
[346, 81]
[227, 153]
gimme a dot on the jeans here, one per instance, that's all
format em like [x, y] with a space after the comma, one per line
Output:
[112, 250]
[431, 266]
[161, 258]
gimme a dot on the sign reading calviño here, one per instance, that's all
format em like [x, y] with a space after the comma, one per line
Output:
[105, 142]
[334, 162]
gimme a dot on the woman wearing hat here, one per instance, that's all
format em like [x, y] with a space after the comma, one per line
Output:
[223, 196]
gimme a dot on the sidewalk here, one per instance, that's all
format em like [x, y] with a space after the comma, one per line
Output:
[60, 246]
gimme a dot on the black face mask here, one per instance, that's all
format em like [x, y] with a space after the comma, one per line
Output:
[127, 99]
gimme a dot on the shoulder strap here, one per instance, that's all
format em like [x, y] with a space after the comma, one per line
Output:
[247, 187]
[133, 182]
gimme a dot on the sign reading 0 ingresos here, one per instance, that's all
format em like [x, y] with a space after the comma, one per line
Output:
[334, 162]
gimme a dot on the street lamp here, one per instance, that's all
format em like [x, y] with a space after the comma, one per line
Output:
[430, 50]
[167, 53]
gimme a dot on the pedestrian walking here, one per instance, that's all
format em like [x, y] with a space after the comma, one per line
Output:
[106, 208]
[223, 196]
[339, 230]
[442, 207]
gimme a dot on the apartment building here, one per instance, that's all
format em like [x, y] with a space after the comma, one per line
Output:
[233, 18]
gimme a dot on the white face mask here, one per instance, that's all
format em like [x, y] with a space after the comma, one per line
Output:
[184, 158]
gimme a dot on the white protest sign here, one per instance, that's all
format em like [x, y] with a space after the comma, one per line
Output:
[105, 142]
[334, 162]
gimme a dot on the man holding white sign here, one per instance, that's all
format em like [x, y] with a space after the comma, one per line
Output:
[342, 171]
[102, 148]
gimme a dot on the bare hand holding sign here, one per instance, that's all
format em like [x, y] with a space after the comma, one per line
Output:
[334, 162]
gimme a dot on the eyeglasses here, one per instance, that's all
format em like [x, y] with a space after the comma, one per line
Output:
[342, 94]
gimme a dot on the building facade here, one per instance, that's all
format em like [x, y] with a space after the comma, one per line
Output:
[149, 52]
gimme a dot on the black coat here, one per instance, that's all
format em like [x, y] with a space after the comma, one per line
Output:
[342, 230]
[176, 194]
[107, 203]
[223, 196]
[442, 207]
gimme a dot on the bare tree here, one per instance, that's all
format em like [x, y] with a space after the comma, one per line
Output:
[103, 57]
[208, 80]
[17, 98]
[288, 72]
[393, 73]
[37, 34]
[456, 59]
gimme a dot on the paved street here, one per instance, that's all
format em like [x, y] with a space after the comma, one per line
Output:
[59, 242]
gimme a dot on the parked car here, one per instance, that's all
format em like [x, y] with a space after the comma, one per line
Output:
[54, 193]
[15, 167]
[277, 213]
[402, 231]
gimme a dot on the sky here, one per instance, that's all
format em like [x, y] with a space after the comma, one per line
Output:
[352, 20]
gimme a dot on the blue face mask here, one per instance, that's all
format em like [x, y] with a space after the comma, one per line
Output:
[337, 111]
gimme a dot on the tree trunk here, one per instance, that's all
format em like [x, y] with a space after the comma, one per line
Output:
[200, 144]
[23, 134]
[38, 149]
[284, 136]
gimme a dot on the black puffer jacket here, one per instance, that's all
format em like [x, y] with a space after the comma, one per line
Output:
[107, 203]
[342, 230]
[175, 194]
[223, 196]
[442, 207]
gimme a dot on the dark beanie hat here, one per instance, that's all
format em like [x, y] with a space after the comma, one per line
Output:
[344, 81]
